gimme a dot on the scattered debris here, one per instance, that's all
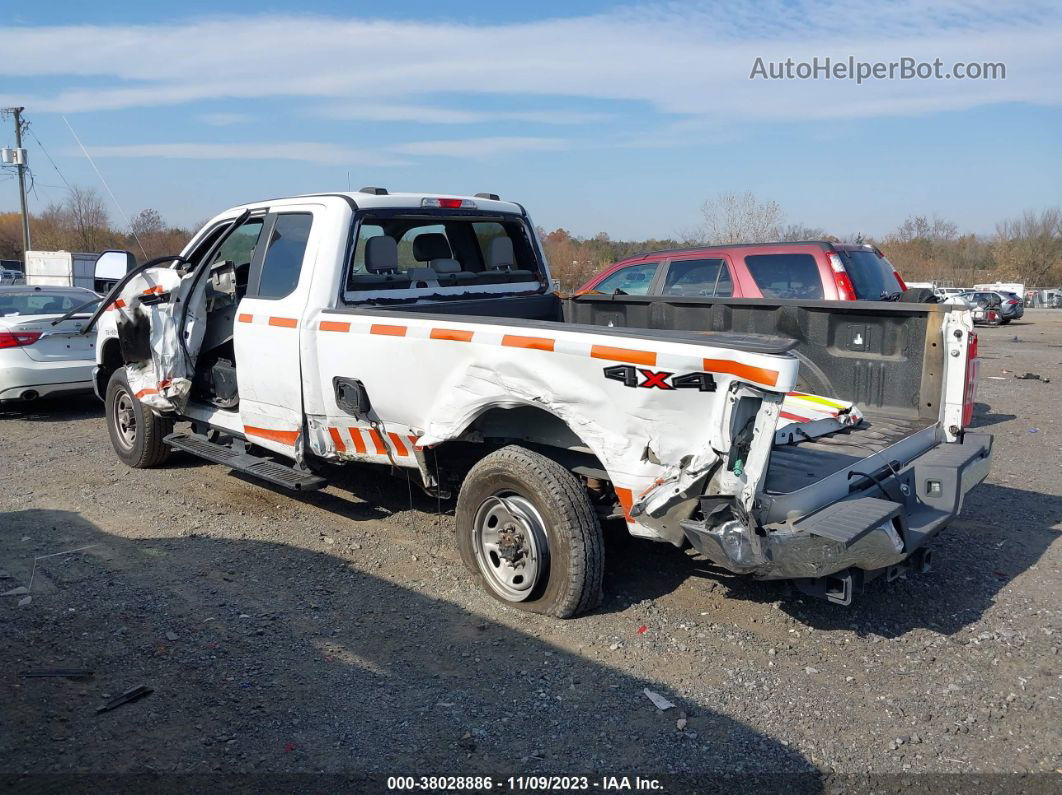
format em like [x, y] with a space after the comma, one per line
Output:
[658, 700]
[1033, 377]
[997, 377]
[642, 629]
[681, 724]
[130, 695]
[1034, 430]
[16, 591]
[24, 601]
[171, 636]
[56, 673]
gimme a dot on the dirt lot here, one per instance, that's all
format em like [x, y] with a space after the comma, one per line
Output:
[338, 631]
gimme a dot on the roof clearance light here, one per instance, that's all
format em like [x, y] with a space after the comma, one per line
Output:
[449, 204]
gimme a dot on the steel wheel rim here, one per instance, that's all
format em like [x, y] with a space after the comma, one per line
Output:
[509, 539]
[124, 420]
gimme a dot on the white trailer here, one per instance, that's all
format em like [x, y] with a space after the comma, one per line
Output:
[61, 269]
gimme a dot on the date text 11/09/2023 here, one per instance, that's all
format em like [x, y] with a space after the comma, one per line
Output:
[523, 783]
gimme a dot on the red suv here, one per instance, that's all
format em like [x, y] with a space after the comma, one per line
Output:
[807, 270]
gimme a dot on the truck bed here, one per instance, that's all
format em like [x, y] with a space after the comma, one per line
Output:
[794, 466]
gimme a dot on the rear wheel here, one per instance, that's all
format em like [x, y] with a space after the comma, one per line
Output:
[527, 530]
[136, 431]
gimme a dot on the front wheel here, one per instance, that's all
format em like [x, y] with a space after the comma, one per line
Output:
[136, 431]
[527, 530]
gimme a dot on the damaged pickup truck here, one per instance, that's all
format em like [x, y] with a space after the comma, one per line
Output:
[420, 332]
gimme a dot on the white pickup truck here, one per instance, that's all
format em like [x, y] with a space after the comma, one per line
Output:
[421, 332]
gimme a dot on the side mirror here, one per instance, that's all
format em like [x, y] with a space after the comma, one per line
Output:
[111, 266]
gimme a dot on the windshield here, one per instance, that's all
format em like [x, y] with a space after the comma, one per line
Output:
[872, 275]
[43, 302]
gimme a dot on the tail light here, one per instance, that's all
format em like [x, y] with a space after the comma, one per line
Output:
[18, 339]
[1012, 302]
[845, 290]
[448, 204]
[969, 395]
[899, 279]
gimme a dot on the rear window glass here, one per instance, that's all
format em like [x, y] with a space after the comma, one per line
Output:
[461, 251]
[785, 275]
[41, 303]
[872, 275]
[698, 278]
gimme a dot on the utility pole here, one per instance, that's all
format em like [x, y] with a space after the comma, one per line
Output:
[20, 164]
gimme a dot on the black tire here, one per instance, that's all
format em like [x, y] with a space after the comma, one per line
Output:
[1006, 321]
[142, 447]
[570, 582]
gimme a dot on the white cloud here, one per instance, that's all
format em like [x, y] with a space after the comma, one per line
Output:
[479, 147]
[432, 114]
[303, 151]
[688, 60]
[223, 119]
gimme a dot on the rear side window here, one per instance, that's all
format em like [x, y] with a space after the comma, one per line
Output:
[283, 259]
[785, 275]
[632, 280]
[699, 277]
[872, 275]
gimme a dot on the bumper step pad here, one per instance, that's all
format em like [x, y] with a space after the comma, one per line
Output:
[848, 521]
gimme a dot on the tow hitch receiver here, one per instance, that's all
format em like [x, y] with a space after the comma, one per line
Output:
[839, 588]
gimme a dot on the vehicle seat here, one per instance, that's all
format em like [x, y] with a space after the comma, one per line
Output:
[381, 265]
[434, 249]
[501, 264]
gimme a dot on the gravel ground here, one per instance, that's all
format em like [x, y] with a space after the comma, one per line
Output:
[339, 632]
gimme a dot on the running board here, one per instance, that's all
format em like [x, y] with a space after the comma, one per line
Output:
[263, 468]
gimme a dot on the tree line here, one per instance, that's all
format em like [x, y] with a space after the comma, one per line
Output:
[1025, 248]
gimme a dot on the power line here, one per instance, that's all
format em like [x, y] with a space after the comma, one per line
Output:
[29, 129]
[105, 185]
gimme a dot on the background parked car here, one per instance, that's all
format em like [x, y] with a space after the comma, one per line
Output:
[813, 270]
[38, 358]
[1011, 307]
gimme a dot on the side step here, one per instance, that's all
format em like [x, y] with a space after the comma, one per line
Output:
[264, 468]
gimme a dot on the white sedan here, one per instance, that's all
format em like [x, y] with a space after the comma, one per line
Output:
[39, 357]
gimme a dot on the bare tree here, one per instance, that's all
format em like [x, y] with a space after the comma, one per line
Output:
[740, 218]
[795, 232]
[1030, 247]
[919, 227]
[88, 219]
[146, 223]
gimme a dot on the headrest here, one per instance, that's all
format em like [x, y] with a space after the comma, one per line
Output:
[500, 253]
[381, 254]
[431, 245]
[445, 265]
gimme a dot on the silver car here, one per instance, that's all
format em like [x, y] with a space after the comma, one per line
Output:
[39, 356]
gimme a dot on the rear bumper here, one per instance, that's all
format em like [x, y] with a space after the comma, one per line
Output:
[19, 376]
[874, 528]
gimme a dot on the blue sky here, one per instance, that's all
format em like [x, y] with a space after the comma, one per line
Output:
[597, 116]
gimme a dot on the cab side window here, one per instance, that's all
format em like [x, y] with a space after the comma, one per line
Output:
[283, 259]
[699, 277]
[632, 280]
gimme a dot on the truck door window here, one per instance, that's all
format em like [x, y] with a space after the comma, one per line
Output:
[240, 245]
[283, 259]
[632, 280]
[785, 275]
[699, 277]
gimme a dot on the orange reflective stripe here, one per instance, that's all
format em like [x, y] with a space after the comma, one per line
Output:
[158, 288]
[381, 448]
[337, 440]
[387, 331]
[359, 443]
[399, 447]
[626, 498]
[623, 355]
[747, 372]
[143, 392]
[119, 304]
[332, 325]
[284, 437]
[452, 334]
[246, 318]
[534, 343]
[283, 322]
[413, 442]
